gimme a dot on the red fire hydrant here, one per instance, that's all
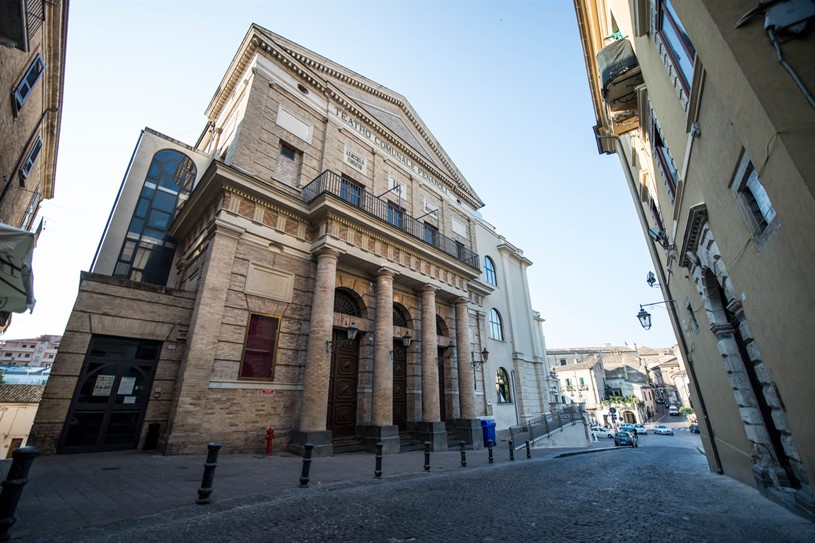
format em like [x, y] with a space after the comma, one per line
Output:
[269, 436]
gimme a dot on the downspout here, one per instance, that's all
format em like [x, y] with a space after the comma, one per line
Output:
[663, 282]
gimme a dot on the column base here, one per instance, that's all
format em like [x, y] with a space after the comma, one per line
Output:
[469, 431]
[387, 435]
[321, 439]
[434, 432]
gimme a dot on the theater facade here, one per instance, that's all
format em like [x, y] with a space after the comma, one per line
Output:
[314, 264]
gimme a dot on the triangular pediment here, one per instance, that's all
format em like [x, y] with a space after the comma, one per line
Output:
[386, 112]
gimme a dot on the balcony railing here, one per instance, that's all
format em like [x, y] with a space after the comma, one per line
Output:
[329, 182]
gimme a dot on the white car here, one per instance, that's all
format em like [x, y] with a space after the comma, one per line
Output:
[602, 433]
[663, 430]
[641, 429]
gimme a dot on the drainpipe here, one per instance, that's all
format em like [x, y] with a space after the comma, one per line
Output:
[663, 282]
[514, 395]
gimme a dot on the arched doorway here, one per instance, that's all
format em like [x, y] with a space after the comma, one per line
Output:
[342, 385]
[400, 399]
[442, 362]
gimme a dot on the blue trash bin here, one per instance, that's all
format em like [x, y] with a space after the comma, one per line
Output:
[488, 431]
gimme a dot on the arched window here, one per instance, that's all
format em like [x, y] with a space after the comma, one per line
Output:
[147, 252]
[345, 303]
[496, 327]
[502, 386]
[489, 271]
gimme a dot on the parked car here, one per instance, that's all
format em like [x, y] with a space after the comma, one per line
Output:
[624, 439]
[694, 428]
[602, 433]
[626, 427]
[641, 429]
[663, 430]
[673, 411]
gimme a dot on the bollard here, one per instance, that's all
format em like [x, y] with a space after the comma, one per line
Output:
[306, 465]
[463, 455]
[13, 487]
[269, 437]
[528, 450]
[209, 473]
[512, 451]
[427, 456]
[489, 450]
[378, 470]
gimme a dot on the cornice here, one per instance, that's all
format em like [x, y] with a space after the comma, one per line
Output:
[697, 217]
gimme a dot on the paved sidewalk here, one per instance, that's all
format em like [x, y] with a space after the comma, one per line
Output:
[66, 492]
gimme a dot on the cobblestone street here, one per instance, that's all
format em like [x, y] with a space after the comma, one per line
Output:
[661, 491]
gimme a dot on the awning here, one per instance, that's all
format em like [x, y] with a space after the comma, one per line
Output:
[16, 276]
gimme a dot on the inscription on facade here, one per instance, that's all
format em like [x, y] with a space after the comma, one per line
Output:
[388, 148]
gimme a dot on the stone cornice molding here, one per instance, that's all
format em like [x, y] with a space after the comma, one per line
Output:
[697, 217]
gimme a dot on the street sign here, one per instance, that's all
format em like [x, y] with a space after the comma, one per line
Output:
[612, 410]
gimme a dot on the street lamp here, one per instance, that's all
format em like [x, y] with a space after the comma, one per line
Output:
[645, 317]
[485, 354]
[331, 346]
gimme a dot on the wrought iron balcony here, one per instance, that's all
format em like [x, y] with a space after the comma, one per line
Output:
[355, 195]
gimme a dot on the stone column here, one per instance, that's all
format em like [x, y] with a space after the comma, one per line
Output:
[465, 367]
[468, 427]
[382, 428]
[431, 428]
[430, 352]
[314, 404]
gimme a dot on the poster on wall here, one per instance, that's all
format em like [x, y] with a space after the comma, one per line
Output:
[103, 385]
[126, 385]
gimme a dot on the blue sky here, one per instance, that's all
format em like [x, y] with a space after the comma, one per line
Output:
[502, 86]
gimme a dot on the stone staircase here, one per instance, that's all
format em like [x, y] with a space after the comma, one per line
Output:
[347, 445]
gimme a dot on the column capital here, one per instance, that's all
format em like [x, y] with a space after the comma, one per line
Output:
[385, 272]
[327, 252]
[462, 301]
[429, 289]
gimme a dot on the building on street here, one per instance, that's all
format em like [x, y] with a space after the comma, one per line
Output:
[33, 37]
[709, 108]
[315, 264]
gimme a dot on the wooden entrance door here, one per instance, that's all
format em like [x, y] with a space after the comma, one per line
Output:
[342, 387]
[399, 385]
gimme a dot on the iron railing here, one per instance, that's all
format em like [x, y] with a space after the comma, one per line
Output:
[329, 182]
[537, 428]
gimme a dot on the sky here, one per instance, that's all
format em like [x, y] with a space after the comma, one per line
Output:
[501, 85]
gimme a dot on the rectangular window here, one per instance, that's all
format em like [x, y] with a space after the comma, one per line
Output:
[32, 209]
[431, 234]
[287, 152]
[754, 202]
[261, 345]
[665, 161]
[32, 158]
[394, 215]
[24, 88]
[350, 191]
[680, 49]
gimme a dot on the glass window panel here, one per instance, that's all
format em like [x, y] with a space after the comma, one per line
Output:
[158, 219]
[84, 428]
[122, 428]
[682, 58]
[762, 199]
[258, 356]
[122, 270]
[164, 201]
[155, 237]
[141, 207]
[136, 226]
[127, 250]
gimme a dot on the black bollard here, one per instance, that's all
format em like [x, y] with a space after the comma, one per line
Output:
[306, 465]
[463, 455]
[489, 450]
[13, 487]
[378, 470]
[209, 473]
[427, 456]
[512, 451]
[528, 450]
